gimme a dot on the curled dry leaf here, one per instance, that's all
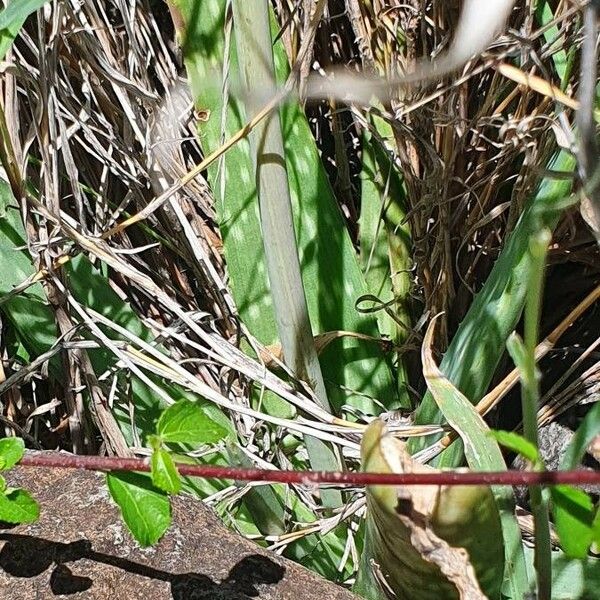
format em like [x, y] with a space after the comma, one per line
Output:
[429, 542]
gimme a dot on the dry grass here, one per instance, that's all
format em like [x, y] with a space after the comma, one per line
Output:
[101, 125]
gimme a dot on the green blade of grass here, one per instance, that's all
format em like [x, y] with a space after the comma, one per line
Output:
[479, 342]
[330, 270]
[562, 57]
[385, 243]
[483, 454]
[254, 44]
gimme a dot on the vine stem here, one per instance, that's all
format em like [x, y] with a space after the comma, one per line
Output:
[106, 463]
[530, 384]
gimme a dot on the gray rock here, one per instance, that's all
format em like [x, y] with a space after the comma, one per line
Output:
[80, 548]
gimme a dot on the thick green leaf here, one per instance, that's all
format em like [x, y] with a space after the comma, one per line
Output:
[573, 512]
[164, 472]
[478, 344]
[257, 71]
[330, 269]
[265, 504]
[17, 506]
[517, 443]
[483, 454]
[146, 510]
[385, 242]
[2, 484]
[186, 423]
[29, 313]
[571, 579]
[18, 10]
[463, 516]
[11, 452]
[12, 19]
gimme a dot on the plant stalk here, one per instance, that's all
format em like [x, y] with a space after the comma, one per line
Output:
[257, 72]
[530, 402]
[59, 460]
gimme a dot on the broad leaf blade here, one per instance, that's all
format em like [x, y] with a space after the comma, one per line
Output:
[28, 312]
[18, 10]
[186, 423]
[145, 510]
[11, 452]
[460, 516]
[12, 19]
[517, 443]
[330, 269]
[586, 432]
[573, 512]
[478, 344]
[257, 70]
[17, 506]
[571, 579]
[164, 473]
[385, 242]
[483, 454]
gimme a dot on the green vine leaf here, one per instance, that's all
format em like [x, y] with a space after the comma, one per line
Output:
[17, 506]
[11, 452]
[145, 510]
[186, 423]
[164, 472]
